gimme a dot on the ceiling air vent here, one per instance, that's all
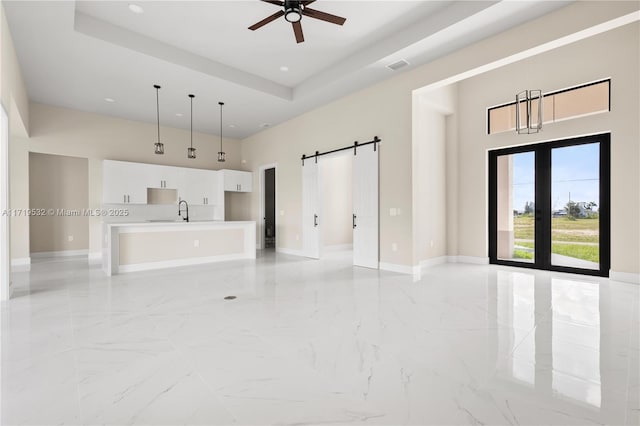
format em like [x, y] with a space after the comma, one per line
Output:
[397, 65]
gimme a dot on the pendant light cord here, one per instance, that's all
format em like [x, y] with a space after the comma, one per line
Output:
[158, 110]
[191, 96]
[221, 104]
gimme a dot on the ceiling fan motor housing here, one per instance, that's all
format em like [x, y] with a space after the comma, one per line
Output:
[292, 11]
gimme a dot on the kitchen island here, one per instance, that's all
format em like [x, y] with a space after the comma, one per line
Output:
[140, 246]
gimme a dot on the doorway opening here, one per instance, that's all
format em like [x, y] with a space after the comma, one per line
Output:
[267, 176]
[58, 185]
[364, 193]
[549, 205]
[336, 204]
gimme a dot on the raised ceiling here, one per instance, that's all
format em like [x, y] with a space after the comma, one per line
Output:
[76, 54]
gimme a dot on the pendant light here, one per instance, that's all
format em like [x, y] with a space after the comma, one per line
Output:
[191, 151]
[221, 154]
[159, 146]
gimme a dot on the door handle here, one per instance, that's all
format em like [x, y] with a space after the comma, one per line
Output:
[354, 221]
[124, 198]
[315, 220]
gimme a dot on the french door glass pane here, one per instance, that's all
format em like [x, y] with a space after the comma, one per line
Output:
[575, 194]
[516, 208]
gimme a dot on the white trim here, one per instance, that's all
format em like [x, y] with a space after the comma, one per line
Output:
[94, 258]
[180, 262]
[261, 205]
[401, 269]
[625, 277]
[338, 247]
[468, 259]
[5, 228]
[62, 253]
[435, 261]
[290, 252]
[21, 264]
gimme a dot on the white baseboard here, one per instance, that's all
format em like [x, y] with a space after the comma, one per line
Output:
[95, 258]
[291, 252]
[21, 264]
[338, 247]
[429, 263]
[400, 269]
[468, 259]
[63, 253]
[625, 277]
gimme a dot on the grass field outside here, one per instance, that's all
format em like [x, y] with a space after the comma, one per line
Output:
[577, 238]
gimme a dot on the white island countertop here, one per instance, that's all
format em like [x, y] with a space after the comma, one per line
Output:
[144, 245]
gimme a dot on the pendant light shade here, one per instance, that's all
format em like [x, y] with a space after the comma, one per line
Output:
[221, 154]
[159, 146]
[191, 151]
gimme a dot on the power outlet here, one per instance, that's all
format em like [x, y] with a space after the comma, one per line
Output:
[394, 247]
[196, 243]
[281, 212]
[431, 243]
[393, 212]
[70, 238]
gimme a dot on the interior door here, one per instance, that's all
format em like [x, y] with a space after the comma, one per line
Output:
[311, 222]
[365, 207]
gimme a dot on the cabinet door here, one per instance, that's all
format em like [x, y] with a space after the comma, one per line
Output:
[246, 181]
[162, 176]
[123, 183]
[231, 180]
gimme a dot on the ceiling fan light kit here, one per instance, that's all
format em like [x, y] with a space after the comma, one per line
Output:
[293, 11]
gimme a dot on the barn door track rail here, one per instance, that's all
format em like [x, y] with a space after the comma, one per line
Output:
[355, 147]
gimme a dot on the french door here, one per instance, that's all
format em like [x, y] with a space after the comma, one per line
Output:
[549, 205]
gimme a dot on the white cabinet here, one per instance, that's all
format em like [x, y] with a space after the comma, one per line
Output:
[126, 183]
[237, 181]
[199, 187]
[163, 176]
[122, 183]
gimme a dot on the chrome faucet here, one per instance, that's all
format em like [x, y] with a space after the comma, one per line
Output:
[180, 209]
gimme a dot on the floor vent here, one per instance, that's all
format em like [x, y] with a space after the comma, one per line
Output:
[397, 65]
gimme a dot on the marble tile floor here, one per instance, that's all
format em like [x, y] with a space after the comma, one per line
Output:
[318, 342]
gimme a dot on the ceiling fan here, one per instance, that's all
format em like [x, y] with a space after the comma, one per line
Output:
[293, 12]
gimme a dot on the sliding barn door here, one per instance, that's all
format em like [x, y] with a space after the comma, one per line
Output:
[311, 209]
[365, 207]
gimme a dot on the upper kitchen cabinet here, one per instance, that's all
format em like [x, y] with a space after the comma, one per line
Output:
[163, 177]
[237, 181]
[200, 187]
[124, 182]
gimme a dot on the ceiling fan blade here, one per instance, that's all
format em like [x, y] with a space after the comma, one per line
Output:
[297, 30]
[265, 21]
[327, 17]
[277, 3]
[307, 3]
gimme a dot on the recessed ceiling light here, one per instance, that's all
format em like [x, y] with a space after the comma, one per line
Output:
[135, 8]
[284, 68]
[232, 125]
[111, 100]
[178, 114]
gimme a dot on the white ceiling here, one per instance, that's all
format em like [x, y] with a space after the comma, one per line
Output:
[75, 54]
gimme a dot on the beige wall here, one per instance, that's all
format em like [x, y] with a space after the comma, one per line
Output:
[613, 54]
[58, 182]
[385, 110]
[336, 185]
[13, 92]
[433, 130]
[145, 247]
[13, 95]
[62, 131]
